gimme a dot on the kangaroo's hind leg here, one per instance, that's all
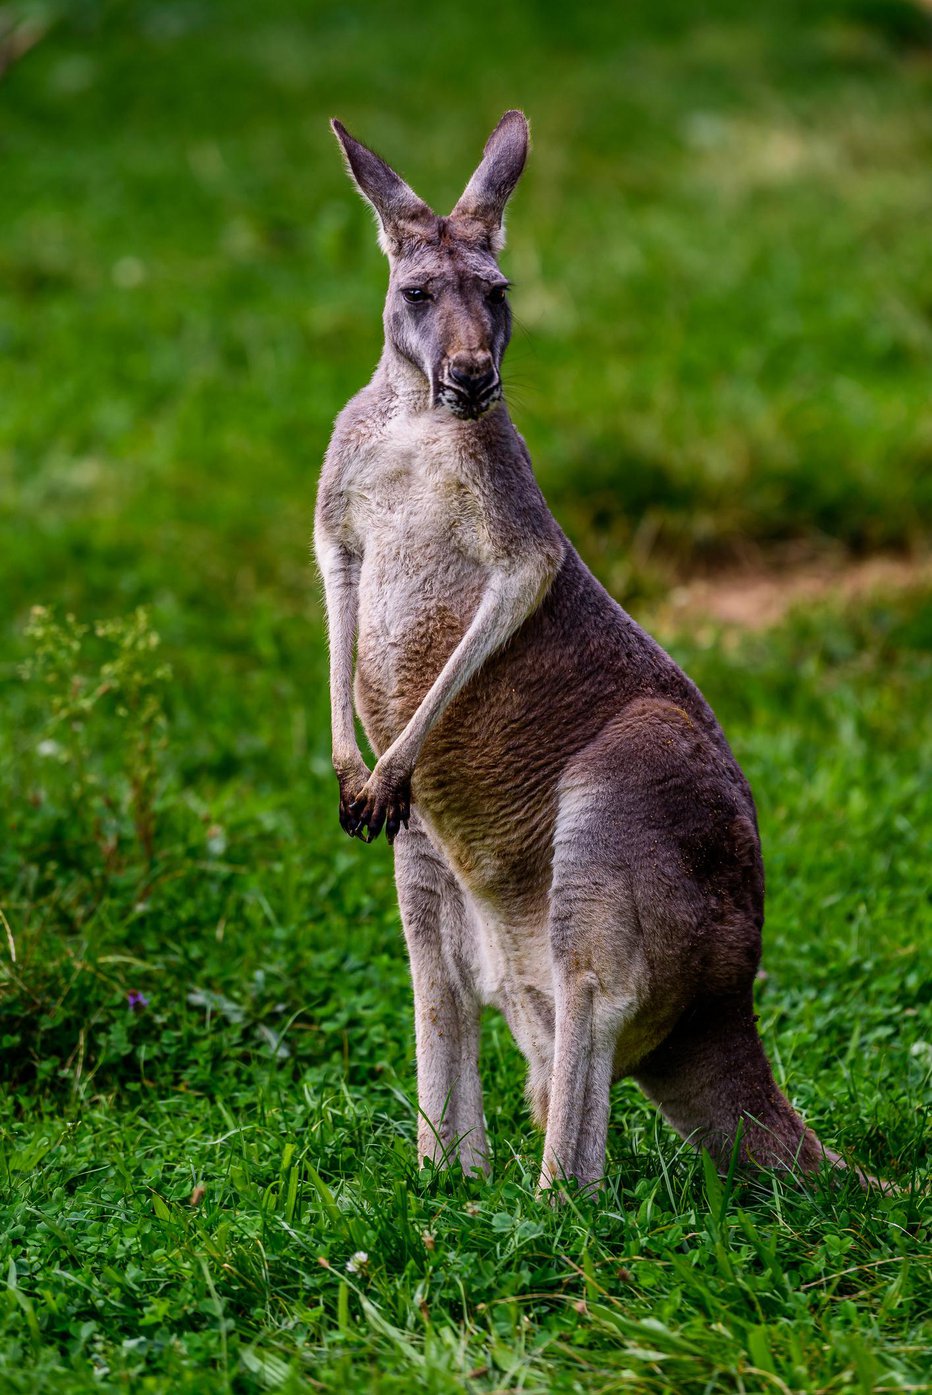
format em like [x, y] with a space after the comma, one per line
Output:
[446, 1009]
[604, 1018]
[577, 1118]
[655, 904]
[678, 815]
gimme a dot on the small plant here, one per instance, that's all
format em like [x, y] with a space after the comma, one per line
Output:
[102, 726]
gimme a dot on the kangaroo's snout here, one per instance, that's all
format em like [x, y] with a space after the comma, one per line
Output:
[472, 372]
[469, 384]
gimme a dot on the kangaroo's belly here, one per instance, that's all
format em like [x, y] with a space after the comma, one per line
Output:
[415, 603]
[484, 752]
[488, 778]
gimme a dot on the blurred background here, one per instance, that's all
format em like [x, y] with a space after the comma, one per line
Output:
[722, 362]
[720, 251]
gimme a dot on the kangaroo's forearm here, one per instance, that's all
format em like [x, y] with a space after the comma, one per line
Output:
[510, 598]
[340, 573]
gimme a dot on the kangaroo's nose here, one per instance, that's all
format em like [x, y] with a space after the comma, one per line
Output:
[472, 372]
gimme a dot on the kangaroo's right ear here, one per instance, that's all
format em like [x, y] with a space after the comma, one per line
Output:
[399, 210]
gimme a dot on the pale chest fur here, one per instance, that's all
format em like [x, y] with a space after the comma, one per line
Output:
[414, 514]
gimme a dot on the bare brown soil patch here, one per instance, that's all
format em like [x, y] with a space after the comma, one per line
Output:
[758, 598]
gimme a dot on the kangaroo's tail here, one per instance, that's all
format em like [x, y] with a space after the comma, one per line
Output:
[714, 1084]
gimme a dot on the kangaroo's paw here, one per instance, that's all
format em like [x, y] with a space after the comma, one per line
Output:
[352, 780]
[385, 799]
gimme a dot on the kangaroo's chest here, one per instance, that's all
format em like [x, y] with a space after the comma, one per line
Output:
[416, 520]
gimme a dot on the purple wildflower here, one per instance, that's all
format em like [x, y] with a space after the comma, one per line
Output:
[136, 1000]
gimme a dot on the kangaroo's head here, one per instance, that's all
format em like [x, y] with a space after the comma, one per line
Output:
[447, 308]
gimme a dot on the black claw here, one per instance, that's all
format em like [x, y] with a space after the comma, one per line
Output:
[364, 817]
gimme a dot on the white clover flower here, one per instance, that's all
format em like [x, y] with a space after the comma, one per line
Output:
[357, 1262]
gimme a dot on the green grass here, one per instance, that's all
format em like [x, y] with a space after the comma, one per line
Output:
[725, 342]
[273, 1066]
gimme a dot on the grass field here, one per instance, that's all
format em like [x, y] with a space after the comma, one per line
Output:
[724, 351]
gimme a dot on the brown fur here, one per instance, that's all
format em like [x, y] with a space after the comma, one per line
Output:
[580, 847]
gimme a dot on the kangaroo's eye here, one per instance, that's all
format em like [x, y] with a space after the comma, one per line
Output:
[497, 295]
[415, 295]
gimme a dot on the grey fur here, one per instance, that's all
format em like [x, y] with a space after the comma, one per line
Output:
[576, 843]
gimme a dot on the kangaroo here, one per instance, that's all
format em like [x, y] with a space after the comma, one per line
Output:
[574, 841]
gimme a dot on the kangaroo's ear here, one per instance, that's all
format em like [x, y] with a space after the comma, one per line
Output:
[399, 210]
[484, 198]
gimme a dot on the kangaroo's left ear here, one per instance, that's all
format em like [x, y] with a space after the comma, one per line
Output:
[484, 198]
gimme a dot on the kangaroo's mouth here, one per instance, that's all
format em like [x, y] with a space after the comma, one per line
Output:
[466, 405]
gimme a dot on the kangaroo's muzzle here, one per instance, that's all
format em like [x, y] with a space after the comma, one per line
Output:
[469, 387]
